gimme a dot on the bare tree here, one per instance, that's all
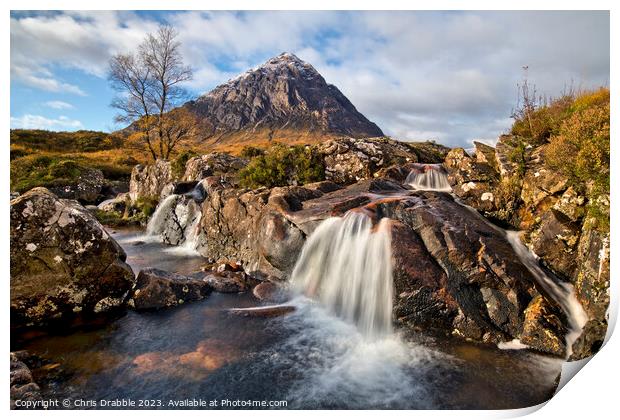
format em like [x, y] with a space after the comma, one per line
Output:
[149, 85]
[179, 124]
[132, 78]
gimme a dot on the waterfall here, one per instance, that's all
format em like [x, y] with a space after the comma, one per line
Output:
[429, 177]
[156, 224]
[346, 264]
[561, 292]
[176, 221]
[192, 233]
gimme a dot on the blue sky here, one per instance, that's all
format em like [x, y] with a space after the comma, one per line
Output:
[448, 76]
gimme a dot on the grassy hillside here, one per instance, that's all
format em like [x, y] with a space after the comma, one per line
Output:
[575, 132]
[47, 158]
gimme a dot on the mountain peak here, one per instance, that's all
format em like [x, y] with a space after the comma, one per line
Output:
[283, 92]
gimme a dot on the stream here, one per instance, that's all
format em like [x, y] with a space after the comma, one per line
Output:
[311, 359]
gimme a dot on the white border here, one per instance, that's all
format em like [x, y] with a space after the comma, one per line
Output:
[592, 394]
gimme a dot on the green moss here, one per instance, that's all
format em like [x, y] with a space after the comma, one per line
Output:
[598, 214]
[113, 218]
[250, 152]
[282, 165]
[146, 205]
[517, 156]
[34, 171]
[178, 164]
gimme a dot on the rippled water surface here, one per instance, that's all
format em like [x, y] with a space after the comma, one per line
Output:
[308, 358]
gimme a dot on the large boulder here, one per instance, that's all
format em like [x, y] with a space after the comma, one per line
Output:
[157, 289]
[348, 160]
[486, 154]
[200, 167]
[23, 387]
[63, 262]
[265, 229]
[464, 278]
[87, 188]
[506, 154]
[230, 281]
[116, 205]
[543, 329]
[473, 179]
[555, 240]
[236, 225]
[176, 219]
[541, 186]
[148, 181]
[592, 289]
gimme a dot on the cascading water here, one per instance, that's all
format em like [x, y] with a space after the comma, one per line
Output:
[192, 233]
[156, 224]
[177, 221]
[561, 292]
[428, 177]
[347, 265]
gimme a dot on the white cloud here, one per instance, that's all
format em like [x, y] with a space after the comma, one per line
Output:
[448, 75]
[38, 121]
[58, 105]
[42, 79]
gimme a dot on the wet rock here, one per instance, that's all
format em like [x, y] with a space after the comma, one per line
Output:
[278, 239]
[177, 220]
[421, 300]
[200, 167]
[157, 289]
[542, 327]
[265, 229]
[397, 173]
[482, 289]
[270, 292]
[148, 181]
[323, 186]
[592, 289]
[263, 311]
[555, 241]
[591, 339]
[86, 189]
[230, 282]
[63, 262]
[23, 387]
[233, 266]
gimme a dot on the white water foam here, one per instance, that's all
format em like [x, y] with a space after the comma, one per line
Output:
[341, 365]
[156, 224]
[514, 344]
[346, 264]
[561, 292]
[429, 177]
[189, 246]
[188, 215]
